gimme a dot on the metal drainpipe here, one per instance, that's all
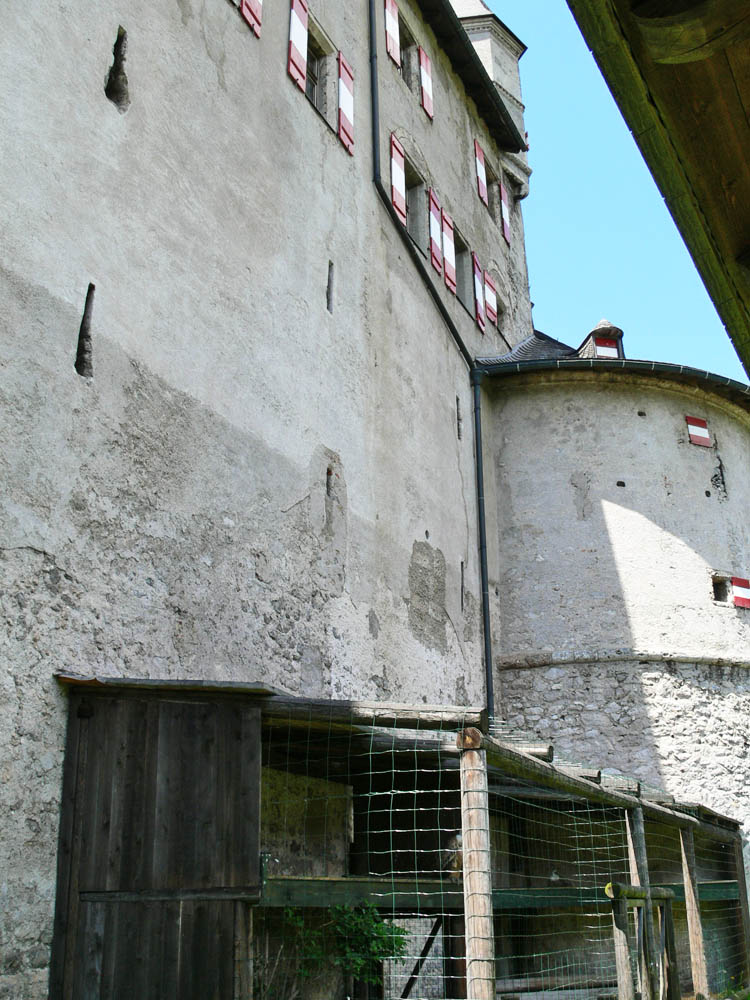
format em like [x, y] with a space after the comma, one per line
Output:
[475, 374]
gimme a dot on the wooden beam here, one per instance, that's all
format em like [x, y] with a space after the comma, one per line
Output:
[584, 773]
[636, 893]
[406, 992]
[372, 713]
[621, 935]
[695, 927]
[639, 876]
[507, 759]
[552, 981]
[680, 32]
[477, 868]
[670, 952]
[433, 895]
[424, 895]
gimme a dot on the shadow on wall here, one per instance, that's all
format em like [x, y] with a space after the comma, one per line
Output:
[619, 640]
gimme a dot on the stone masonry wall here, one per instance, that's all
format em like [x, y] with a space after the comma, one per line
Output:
[679, 726]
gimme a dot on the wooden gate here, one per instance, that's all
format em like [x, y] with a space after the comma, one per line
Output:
[159, 855]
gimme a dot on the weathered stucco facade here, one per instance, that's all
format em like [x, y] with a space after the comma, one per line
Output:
[254, 483]
[616, 634]
[255, 460]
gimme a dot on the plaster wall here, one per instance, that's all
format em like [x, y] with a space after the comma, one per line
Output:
[610, 523]
[608, 640]
[251, 486]
[442, 150]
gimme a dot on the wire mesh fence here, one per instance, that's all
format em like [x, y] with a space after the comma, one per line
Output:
[370, 856]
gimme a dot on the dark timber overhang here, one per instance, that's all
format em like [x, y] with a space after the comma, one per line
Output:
[680, 72]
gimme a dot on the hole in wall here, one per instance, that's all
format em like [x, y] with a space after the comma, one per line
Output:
[329, 288]
[708, 493]
[459, 421]
[620, 482]
[84, 363]
[721, 588]
[641, 413]
[427, 534]
[116, 86]
[329, 480]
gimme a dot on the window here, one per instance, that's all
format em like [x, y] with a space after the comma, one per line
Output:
[417, 208]
[464, 273]
[320, 84]
[493, 193]
[409, 51]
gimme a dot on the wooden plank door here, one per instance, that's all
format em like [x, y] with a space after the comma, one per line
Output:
[159, 846]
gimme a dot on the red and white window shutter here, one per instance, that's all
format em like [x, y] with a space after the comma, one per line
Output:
[505, 211]
[436, 243]
[252, 11]
[741, 592]
[698, 431]
[425, 76]
[398, 178]
[346, 104]
[481, 172]
[478, 292]
[605, 347]
[392, 40]
[297, 64]
[449, 253]
[490, 299]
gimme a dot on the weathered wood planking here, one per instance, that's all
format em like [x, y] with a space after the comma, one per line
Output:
[161, 797]
[695, 927]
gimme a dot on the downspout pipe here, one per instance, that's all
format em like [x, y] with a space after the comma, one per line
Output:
[475, 374]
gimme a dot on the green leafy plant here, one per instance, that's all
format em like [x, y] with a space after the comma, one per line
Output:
[354, 939]
[363, 940]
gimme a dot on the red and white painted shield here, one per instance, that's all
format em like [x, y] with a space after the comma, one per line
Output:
[698, 431]
[741, 592]
[605, 347]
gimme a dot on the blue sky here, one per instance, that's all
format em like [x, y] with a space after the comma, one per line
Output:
[599, 238]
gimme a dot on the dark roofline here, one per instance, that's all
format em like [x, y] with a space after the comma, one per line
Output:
[449, 31]
[736, 392]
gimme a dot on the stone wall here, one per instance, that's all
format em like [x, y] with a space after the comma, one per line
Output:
[679, 726]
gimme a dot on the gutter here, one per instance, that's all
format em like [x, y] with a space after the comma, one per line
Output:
[474, 374]
[736, 392]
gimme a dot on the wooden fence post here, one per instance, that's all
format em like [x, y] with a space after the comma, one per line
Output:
[625, 985]
[639, 876]
[692, 908]
[477, 868]
[739, 861]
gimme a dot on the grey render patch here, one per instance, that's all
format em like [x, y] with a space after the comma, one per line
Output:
[427, 595]
[581, 483]
[374, 623]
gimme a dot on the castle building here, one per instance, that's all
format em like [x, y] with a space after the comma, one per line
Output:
[276, 420]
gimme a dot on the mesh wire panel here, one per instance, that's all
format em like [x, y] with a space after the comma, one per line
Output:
[362, 893]
[365, 860]
[721, 916]
[552, 857]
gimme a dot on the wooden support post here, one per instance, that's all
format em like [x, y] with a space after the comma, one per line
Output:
[692, 907]
[670, 951]
[243, 951]
[477, 868]
[639, 876]
[739, 863]
[620, 930]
